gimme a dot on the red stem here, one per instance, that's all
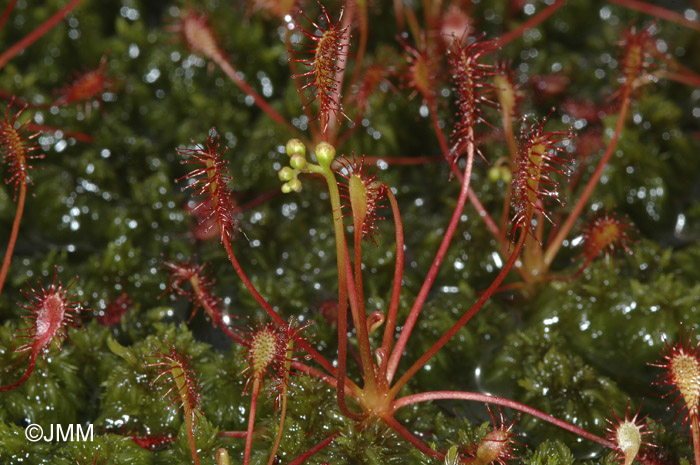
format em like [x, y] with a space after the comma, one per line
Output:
[398, 275]
[505, 214]
[251, 420]
[283, 408]
[530, 23]
[79, 136]
[351, 389]
[32, 37]
[215, 315]
[434, 268]
[271, 311]
[355, 293]
[260, 199]
[318, 447]
[438, 131]
[692, 77]
[463, 319]
[507, 121]
[420, 445]
[342, 323]
[695, 433]
[683, 78]
[350, 131]
[25, 376]
[481, 210]
[343, 347]
[676, 71]
[189, 417]
[473, 396]
[19, 101]
[398, 14]
[488, 220]
[554, 246]
[13, 234]
[658, 12]
[7, 12]
[231, 72]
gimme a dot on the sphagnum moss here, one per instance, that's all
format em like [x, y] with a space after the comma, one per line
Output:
[108, 210]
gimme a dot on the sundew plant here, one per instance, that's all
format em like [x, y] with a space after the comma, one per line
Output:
[350, 232]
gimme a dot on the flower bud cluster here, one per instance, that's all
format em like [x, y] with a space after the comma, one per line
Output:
[289, 175]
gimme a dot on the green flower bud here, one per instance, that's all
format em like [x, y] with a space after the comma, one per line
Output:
[295, 147]
[325, 153]
[285, 188]
[506, 175]
[294, 185]
[500, 173]
[297, 162]
[286, 174]
[494, 173]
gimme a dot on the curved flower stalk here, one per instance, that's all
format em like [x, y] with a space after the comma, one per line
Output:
[538, 169]
[378, 396]
[174, 372]
[363, 192]
[325, 154]
[210, 179]
[52, 311]
[17, 147]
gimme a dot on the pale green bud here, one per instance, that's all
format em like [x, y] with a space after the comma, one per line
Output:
[325, 153]
[297, 162]
[286, 174]
[295, 147]
[294, 185]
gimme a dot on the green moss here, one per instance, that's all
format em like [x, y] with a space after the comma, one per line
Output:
[110, 210]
